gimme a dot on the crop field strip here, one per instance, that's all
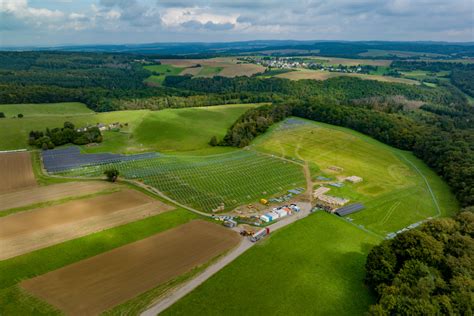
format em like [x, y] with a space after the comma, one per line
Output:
[93, 285]
[206, 182]
[16, 171]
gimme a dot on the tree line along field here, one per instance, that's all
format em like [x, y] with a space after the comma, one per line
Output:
[393, 190]
[146, 130]
[207, 182]
[312, 267]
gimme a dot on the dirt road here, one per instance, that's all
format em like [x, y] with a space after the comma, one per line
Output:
[245, 244]
[91, 286]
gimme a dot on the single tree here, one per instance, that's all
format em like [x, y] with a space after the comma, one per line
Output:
[112, 174]
[20, 115]
[213, 141]
[2, 115]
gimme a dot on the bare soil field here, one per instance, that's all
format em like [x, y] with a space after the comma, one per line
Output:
[94, 285]
[229, 65]
[16, 171]
[323, 75]
[27, 231]
[33, 195]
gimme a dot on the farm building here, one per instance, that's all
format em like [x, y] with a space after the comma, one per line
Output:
[333, 200]
[354, 179]
[320, 191]
[349, 209]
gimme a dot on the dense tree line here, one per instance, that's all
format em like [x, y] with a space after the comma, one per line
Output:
[65, 135]
[425, 271]
[429, 66]
[253, 123]
[340, 89]
[464, 80]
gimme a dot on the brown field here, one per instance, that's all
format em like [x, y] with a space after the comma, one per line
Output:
[33, 195]
[16, 171]
[355, 62]
[323, 75]
[94, 285]
[229, 65]
[27, 231]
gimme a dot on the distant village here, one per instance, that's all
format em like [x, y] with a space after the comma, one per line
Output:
[296, 62]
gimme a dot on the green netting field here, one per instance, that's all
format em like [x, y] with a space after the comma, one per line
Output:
[204, 182]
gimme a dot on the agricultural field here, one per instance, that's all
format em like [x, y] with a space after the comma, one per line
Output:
[16, 301]
[351, 62]
[36, 195]
[323, 75]
[313, 266]
[41, 227]
[16, 171]
[145, 131]
[227, 66]
[95, 285]
[45, 109]
[161, 72]
[390, 53]
[207, 182]
[397, 189]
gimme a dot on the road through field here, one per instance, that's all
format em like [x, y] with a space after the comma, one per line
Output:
[245, 244]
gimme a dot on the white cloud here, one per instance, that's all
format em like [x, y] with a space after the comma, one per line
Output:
[174, 17]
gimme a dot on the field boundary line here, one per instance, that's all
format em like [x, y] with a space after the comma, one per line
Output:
[433, 197]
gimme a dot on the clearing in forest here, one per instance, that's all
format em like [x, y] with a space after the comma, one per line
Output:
[393, 189]
[94, 285]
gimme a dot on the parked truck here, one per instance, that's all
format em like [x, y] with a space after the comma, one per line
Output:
[260, 234]
[230, 223]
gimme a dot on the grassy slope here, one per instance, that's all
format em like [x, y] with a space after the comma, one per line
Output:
[176, 130]
[167, 130]
[164, 70]
[393, 191]
[312, 267]
[45, 109]
[16, 302]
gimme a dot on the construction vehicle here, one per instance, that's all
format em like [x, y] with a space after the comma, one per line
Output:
[260, 234]
[246, 233]
[264, 201]
[230, 223]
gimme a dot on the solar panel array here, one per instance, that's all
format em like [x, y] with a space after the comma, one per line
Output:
[349, 209]
[58, 160]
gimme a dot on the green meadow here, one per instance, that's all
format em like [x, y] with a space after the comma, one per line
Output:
[395, 187]
[312, 267]
[160, 73]
[45, 109]
[170, 130]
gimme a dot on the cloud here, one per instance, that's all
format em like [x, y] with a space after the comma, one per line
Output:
[186, 20]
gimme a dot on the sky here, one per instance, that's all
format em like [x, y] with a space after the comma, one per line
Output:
[64, 22]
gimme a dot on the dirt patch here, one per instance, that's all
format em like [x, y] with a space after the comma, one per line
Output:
[231, 67]
[33, 195]
[96, 284]
[16, 171]
[27, 231]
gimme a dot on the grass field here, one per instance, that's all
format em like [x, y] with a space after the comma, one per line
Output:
[323, 75]
[205, 182]
[312, 267]
[16, 302]
[170, 130]
[45, 109]
[178, 130]
[351, 62]
[394, 190]
[162, 71]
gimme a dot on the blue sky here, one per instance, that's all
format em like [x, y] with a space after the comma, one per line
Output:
[57, 22]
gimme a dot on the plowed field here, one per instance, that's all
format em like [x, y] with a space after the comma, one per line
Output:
[93, 285]
[16, 171]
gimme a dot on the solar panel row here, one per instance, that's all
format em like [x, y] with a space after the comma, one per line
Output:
[70, 157]
[349, 209]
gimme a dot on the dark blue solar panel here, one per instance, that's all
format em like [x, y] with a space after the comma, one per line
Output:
[349, 209]
[57, 160]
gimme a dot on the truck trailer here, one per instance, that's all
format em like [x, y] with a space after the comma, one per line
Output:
[260, 234]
